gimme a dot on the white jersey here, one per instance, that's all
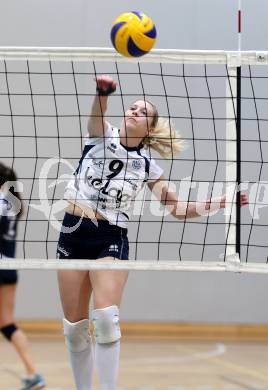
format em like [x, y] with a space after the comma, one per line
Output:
[110, 176]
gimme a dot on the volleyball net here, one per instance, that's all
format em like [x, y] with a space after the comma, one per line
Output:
[218, 102]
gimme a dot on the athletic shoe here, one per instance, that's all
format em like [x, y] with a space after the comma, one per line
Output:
[35, 382]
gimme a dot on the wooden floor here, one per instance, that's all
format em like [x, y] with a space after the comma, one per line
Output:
[152, 364]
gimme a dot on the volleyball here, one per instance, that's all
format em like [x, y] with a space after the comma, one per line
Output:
[133, 34]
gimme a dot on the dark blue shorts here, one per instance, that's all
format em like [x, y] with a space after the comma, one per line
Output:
[89, 241]
[8, 276]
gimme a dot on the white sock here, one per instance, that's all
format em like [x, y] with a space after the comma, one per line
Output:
[78, 341]
[82, 367]
[107, 364]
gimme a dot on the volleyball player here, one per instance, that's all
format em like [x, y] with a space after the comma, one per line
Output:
[10, 211]
[112, 170]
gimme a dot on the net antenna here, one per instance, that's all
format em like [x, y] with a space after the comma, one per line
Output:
[239, 26]
[202, 90]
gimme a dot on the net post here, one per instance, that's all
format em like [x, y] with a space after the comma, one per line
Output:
[238, 132]
[231, 156]
[238, 158]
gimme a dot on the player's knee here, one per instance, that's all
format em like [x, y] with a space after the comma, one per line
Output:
[106, 324]
[77, 335]
[8, 331]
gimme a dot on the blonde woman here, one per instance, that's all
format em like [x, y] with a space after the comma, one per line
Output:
[113, 168]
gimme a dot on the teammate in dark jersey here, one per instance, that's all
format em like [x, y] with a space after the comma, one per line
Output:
[113, 169]
[10, 212]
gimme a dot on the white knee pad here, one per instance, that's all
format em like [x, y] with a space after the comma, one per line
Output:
[106, 324]
[77, 336]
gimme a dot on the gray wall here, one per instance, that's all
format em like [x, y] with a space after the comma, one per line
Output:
[191, 24]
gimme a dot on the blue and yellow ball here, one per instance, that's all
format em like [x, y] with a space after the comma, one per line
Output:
[133, 34]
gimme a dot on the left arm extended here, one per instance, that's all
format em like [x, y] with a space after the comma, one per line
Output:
[180, 209]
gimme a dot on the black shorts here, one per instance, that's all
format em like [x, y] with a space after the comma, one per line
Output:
[89, 241]
[8, 276]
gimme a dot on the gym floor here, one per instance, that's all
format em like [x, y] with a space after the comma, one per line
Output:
[152, 364]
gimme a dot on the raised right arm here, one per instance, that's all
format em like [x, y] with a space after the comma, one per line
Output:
[96, 124]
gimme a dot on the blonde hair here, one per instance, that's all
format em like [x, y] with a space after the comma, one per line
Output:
[164, 138]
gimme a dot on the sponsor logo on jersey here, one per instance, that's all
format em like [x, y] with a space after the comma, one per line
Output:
[133, 185]
[63, 251]
[112, 147]
[5, 204]
[97, 162]
[106, 189]
[136, 164]
[113, 248]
